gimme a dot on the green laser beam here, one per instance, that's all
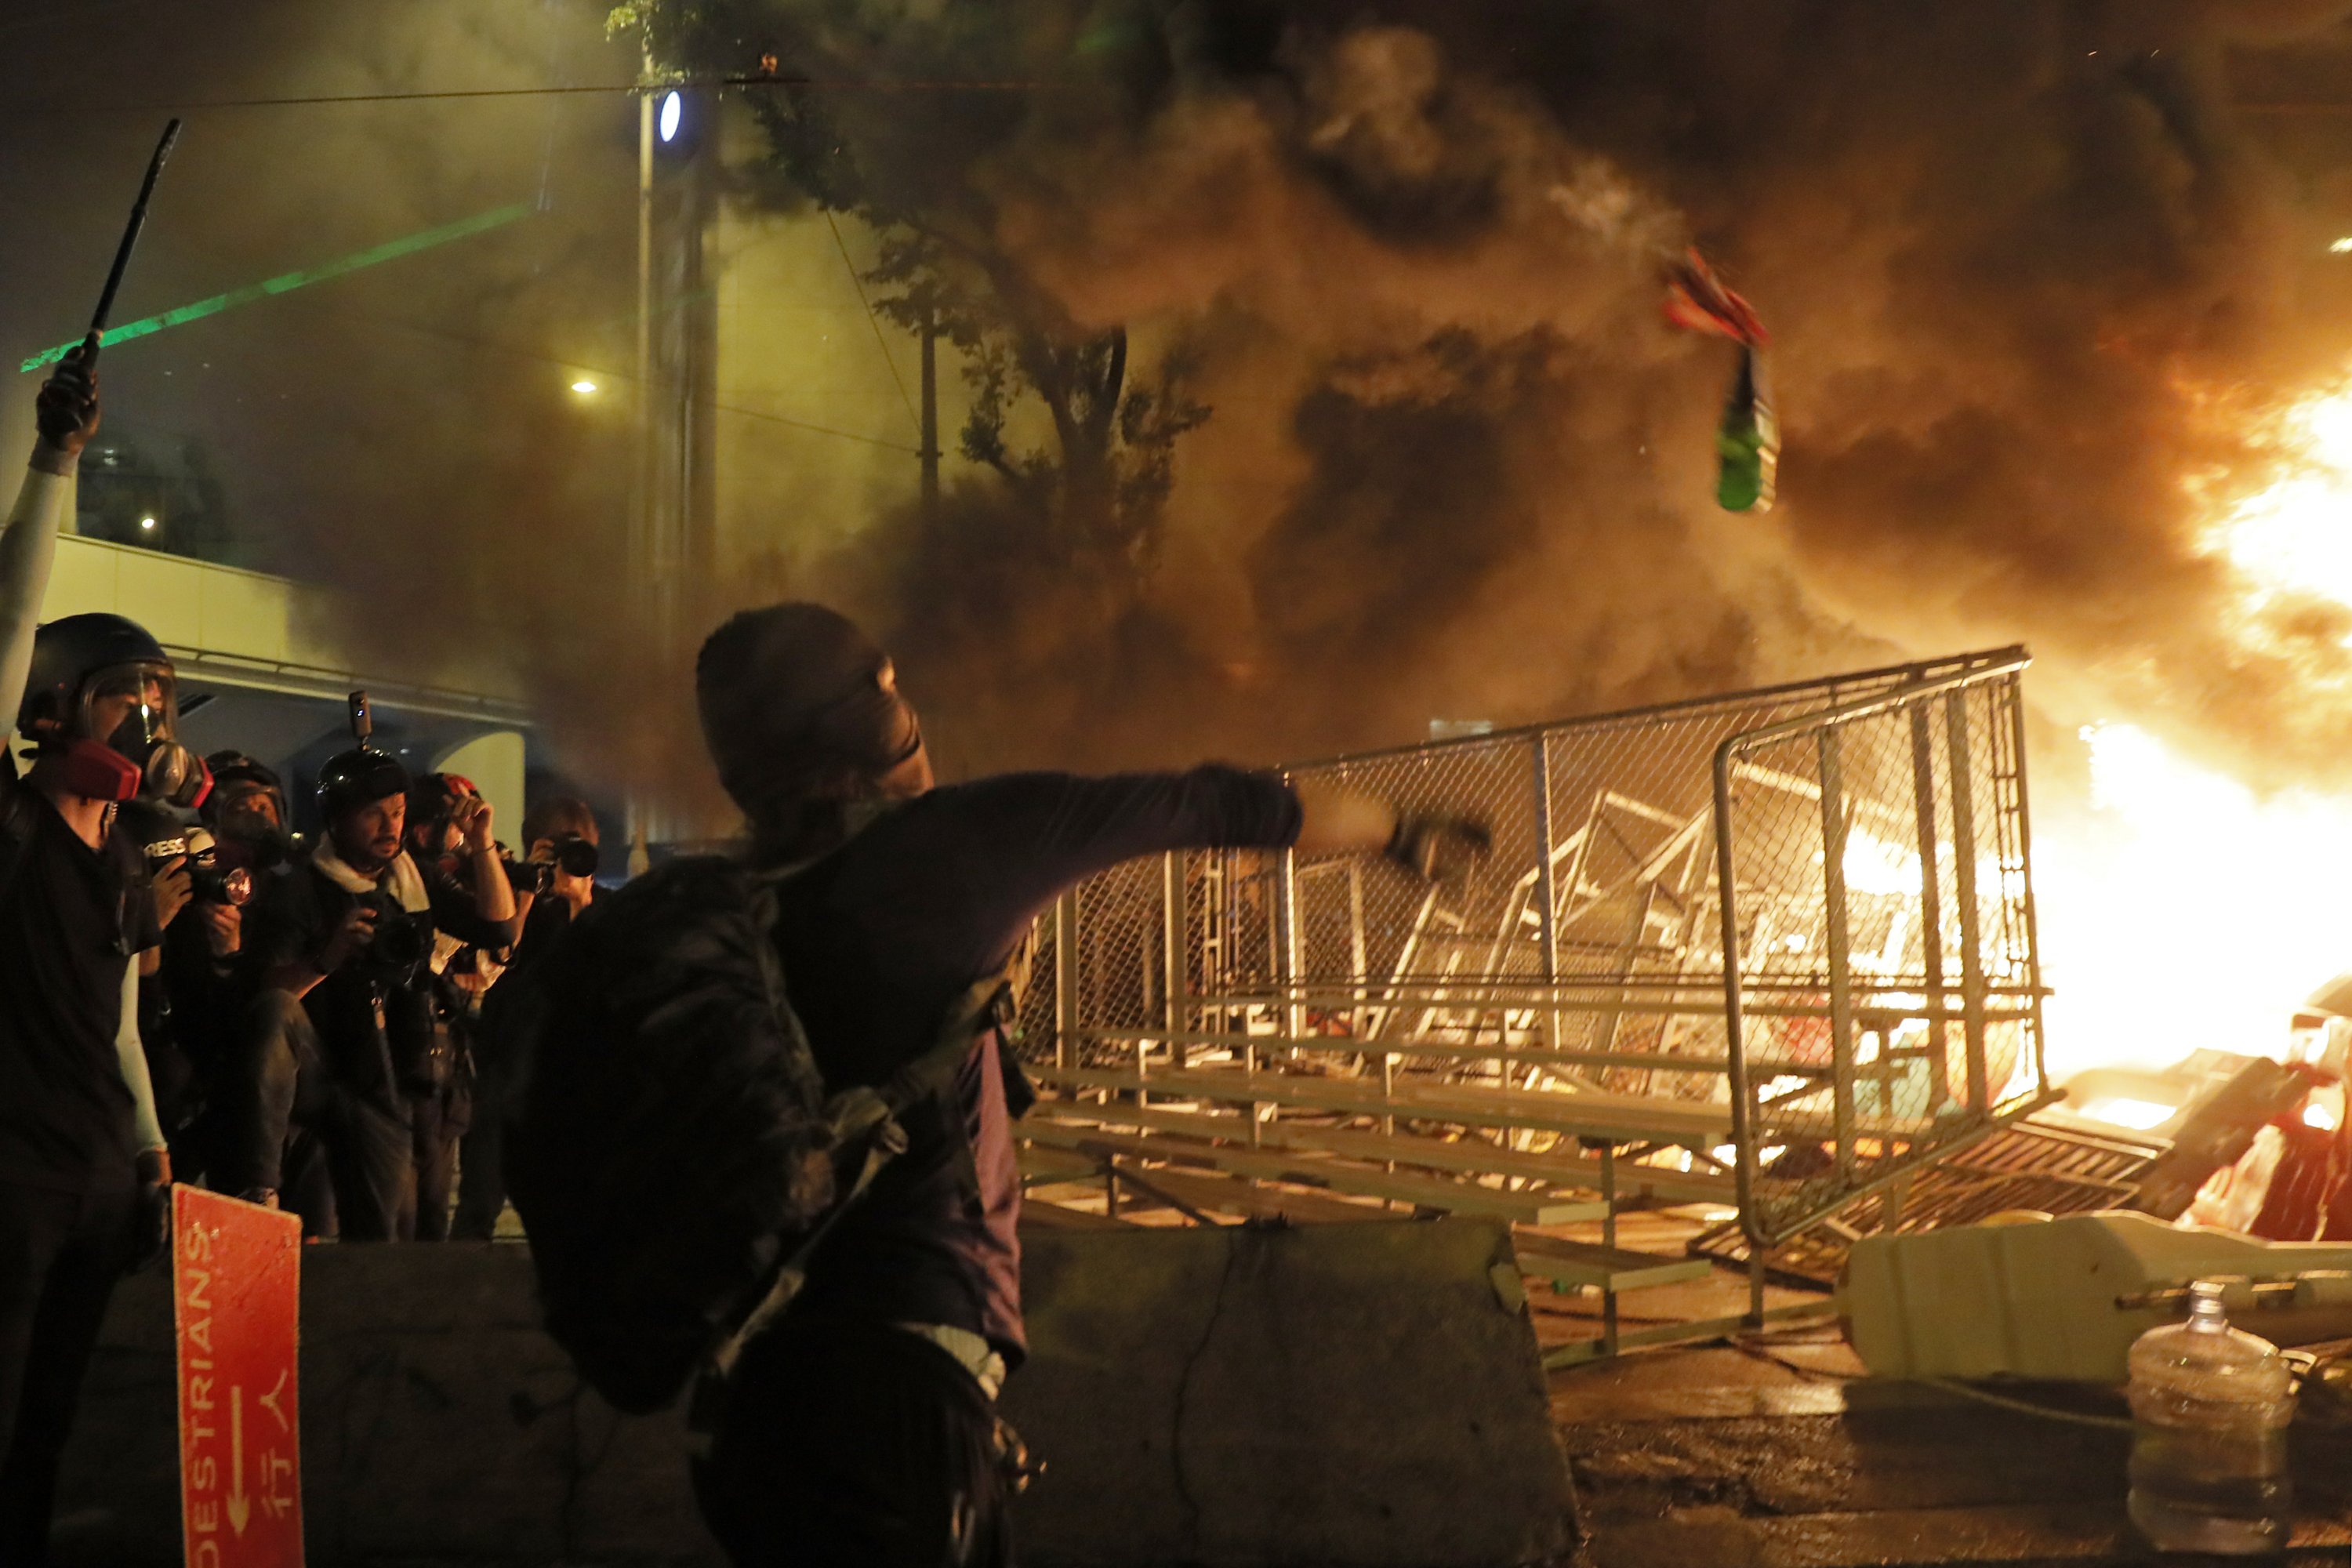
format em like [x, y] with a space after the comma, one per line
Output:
[285, 282]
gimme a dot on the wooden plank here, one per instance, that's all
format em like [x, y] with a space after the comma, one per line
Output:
[1625, 1118]
[1043, 1164]
[1465, 1157]
[1425, 1192]
[1586, 1265]
[1234, 1194]
[1060, 1216]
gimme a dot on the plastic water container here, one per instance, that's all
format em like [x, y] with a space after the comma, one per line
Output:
[2210, 1405]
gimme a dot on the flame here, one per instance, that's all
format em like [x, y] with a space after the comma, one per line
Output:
[2190, 911]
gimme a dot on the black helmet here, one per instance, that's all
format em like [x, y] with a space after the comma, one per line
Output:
[79, 661]
[353, 778]
[233, 766]
[66, 653]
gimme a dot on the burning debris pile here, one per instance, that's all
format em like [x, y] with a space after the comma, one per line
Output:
[2058, 355]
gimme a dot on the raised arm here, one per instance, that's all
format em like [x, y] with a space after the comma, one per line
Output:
[1003, 848]
[68, 417]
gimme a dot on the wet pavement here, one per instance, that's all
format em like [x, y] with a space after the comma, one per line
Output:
[1778, 1452]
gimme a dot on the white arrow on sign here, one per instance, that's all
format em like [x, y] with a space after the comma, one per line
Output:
[241, 1509]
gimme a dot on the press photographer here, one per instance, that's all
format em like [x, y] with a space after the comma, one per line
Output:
[557, 880]
[186, 1002]
[440, 1086]
[347, 1024]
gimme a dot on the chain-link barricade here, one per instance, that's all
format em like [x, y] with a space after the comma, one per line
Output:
[1574, 987]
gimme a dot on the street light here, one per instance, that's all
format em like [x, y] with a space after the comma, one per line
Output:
[584, 387]
[673, 108]
[146, 522]
[2343, 247]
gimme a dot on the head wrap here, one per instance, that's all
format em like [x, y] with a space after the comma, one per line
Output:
[796, 703]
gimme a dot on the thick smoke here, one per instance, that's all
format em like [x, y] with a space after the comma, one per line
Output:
[2027, 276]
[2026, 270]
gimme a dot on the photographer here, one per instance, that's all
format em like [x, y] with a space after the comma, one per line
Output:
[439, 1085]
[78, 1135]
[561, 847]
[346, 1019]
[190, 1008]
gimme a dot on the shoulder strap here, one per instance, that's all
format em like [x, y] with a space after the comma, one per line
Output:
[862, 1114]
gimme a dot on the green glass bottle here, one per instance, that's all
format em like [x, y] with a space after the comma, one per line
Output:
[1748, 442]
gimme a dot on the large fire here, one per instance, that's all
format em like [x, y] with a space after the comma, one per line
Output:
[2189, 911]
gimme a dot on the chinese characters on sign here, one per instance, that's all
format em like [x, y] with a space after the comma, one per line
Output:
[236, 1290]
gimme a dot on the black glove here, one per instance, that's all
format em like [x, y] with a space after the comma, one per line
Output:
[67, 410]
[1438, 849]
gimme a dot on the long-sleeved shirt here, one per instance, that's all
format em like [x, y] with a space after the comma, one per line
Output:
[880, 939]
[75, 1101]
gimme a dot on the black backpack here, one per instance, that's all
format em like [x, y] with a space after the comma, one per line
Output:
[672, 1149]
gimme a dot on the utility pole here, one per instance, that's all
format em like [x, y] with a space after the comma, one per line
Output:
[644, 596]
[930, 418]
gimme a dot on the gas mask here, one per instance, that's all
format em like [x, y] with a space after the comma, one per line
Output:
[141, 756]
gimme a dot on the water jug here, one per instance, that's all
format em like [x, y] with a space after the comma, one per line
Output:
[2210, 1409]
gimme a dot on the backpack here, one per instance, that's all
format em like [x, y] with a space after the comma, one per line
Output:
[672, 1149]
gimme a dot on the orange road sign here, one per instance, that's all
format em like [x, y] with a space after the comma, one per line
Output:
[236, 1271]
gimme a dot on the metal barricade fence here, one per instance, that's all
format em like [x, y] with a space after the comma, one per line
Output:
[1778, 945]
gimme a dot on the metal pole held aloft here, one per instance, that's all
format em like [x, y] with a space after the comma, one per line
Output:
[129, 242]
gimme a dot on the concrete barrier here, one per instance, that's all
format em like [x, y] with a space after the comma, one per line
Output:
[1347, 1397]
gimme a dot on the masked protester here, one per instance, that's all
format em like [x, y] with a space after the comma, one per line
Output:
[858, 1424]
[82, 1161]
[561, 853]
[348, 1043]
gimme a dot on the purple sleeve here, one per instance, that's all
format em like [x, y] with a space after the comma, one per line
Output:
[1014, 842]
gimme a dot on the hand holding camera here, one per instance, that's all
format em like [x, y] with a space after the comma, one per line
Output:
[351, 939]
[565, 864]
[173, 885]
[224, 928]
[185, 869]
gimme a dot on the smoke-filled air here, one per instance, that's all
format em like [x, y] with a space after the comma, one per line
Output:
[2051, 337]
[1308, 382]
[2033, 297]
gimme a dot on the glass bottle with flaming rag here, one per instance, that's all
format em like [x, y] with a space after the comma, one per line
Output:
[1747, 438]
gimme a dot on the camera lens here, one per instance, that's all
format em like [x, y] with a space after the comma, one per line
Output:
[399, 941]
[577, 857]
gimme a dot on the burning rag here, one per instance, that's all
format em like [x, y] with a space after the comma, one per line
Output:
[1747, 438]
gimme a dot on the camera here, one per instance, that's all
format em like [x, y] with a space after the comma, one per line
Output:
[402, 943]
[208, 880]
[572, 854]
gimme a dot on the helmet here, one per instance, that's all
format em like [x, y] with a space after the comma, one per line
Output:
[231, 767]
[66, 653]
[82, 660]
[434, 796]
[353, 778]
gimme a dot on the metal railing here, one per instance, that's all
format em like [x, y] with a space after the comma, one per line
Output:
[1776, 948]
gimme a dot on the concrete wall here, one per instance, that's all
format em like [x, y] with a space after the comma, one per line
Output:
[1359, 1394]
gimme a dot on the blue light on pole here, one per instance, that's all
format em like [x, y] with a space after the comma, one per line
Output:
[673, 108]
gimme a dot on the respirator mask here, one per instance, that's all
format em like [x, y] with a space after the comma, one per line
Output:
[141, 757]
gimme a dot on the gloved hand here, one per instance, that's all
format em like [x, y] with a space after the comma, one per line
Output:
[1437, 847]
[67, 412]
